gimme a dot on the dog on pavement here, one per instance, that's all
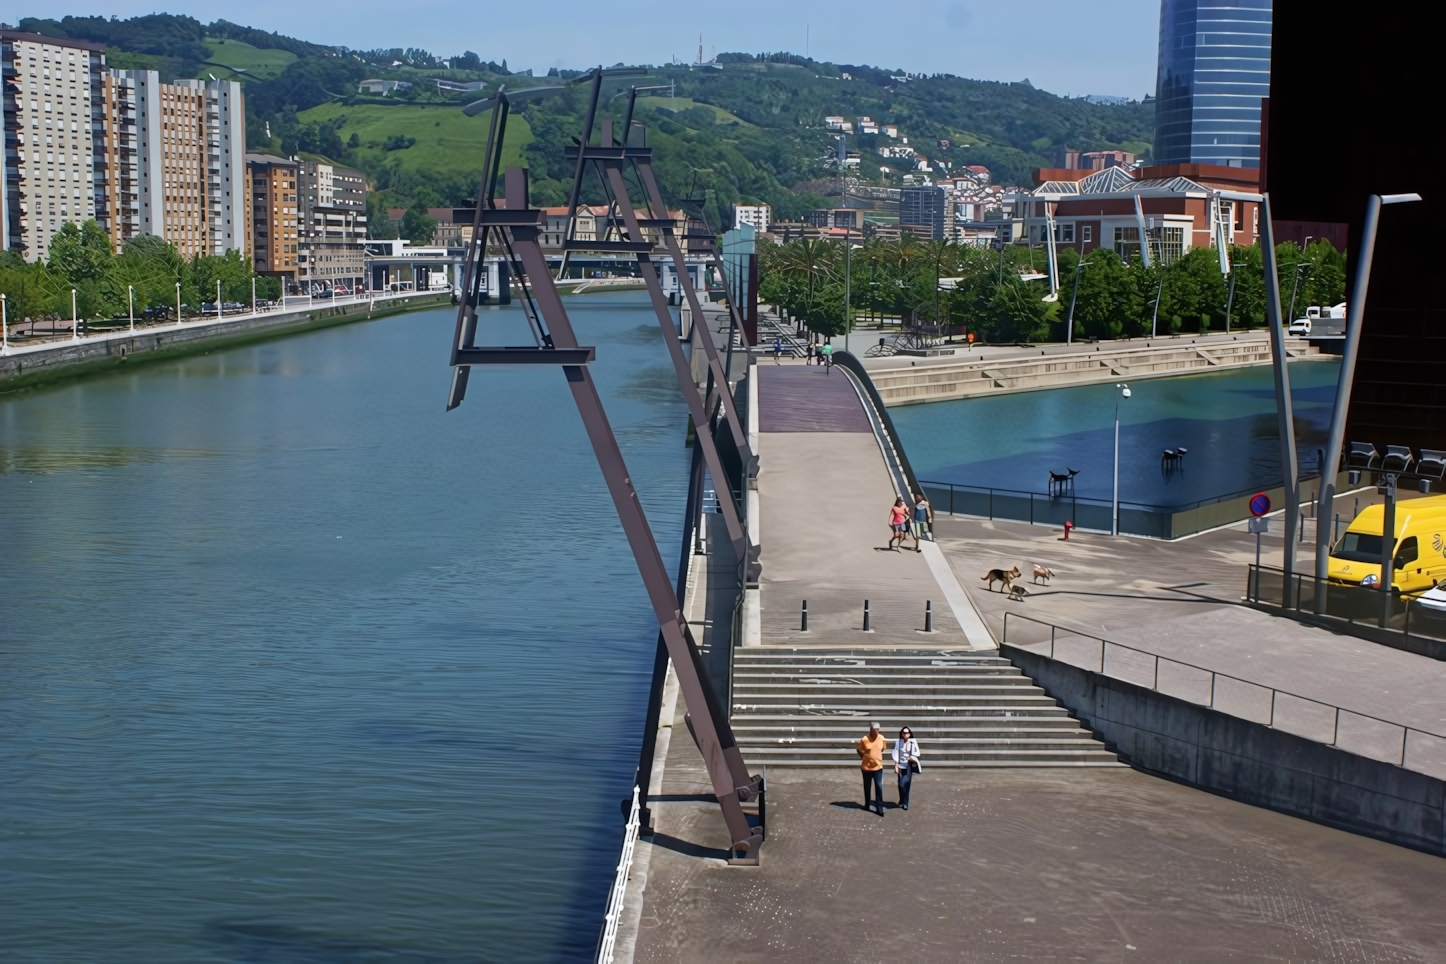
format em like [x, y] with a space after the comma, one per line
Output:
[1005, 576]
[1017, 593]
[1043, 572]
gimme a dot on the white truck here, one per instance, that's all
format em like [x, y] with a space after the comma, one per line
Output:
[1320, 321]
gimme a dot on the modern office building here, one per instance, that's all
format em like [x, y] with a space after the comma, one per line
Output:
[755, 215]
[1214, 69]
[331, 226]
[923, 210]
[55, 166]
[272, 192]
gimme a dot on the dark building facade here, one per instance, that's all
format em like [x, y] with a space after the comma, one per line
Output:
[923, 208]
[1400, 386]
[1214, 69]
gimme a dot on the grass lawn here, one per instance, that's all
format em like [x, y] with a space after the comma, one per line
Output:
[258, 63]
[683, 103]
[447, 142]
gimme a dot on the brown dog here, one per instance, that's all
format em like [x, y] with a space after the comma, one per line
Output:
[1017, 593]
[1005, 576]
[1043, 572]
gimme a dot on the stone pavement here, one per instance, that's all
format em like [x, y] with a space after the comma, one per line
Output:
[1028, 865]
[1183, 600]
[825, 492]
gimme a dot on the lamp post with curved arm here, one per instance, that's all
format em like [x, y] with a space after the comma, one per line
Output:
[1079, 266]
[1115, 502]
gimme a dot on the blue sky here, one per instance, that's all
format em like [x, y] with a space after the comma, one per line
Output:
[1106, 47]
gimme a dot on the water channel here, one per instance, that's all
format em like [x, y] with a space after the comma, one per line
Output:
[1226, 420]
[296, 667]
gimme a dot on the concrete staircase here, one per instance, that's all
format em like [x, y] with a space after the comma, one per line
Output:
[808, 706]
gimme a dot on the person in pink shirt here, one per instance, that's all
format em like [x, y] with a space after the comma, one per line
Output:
[899, 523]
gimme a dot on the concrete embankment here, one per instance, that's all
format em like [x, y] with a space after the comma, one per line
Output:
[29, 365]
[969, 373]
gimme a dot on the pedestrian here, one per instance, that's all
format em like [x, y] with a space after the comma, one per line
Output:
[923, 519]
[871, 756]
[898, 523]
[827, 352]
[906, 763]
[777, 350]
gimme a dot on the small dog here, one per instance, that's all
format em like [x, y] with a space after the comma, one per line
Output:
[1005, 576]
[1017, 593]
[1043, 572]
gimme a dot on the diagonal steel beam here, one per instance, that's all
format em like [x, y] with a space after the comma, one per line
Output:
[727, 772]
[659, 210]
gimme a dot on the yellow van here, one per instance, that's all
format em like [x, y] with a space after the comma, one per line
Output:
[1420, 546]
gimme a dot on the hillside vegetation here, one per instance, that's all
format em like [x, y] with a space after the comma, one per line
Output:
[749, 129]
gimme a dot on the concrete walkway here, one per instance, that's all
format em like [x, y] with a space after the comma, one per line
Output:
[825, 493]
[1182, 600]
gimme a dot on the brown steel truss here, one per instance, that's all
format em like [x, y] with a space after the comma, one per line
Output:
[517, 227]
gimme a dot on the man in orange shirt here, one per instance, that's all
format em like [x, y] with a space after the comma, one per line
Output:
[871, 753]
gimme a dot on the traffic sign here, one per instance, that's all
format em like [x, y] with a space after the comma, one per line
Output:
[1259, 504]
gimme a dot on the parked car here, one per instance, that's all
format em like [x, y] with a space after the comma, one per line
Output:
[1301, 326]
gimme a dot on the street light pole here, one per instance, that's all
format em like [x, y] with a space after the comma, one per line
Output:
[4, 324]
[1294, 287]
[178, 302]
[1115, 502]
[1155, 318]
[848, 277]
[218, 299]
[1069, 322]
[1354, 314]
[253, 294]
[74, 319]
[131, 305]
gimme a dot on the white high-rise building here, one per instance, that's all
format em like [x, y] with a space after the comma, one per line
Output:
[758, 215]
[54, 126]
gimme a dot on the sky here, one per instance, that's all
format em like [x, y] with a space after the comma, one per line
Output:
[1064, 46]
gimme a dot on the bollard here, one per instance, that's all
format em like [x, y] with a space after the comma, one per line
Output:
[928, 615]
[866, 617]
[803, 623]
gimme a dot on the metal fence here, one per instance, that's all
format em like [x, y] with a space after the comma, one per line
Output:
[1312, 719]
[1136, 518]
[1355, 605]
[607, 941]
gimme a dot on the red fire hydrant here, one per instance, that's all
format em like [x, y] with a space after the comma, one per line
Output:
[1068, 525]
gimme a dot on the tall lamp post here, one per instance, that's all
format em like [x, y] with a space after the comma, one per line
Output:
[218, 299]
[131, 305]
[848, 276]
[1079, 266]
[1295, 287]
[178, 302]
[4, 324]
[253, 294]
[1155, 317]
[74, 319]
[1115, 502]
[1354, 313]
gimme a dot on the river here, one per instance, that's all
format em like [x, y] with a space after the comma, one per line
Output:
[296, 667]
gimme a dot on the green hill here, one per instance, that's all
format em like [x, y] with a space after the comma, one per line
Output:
[447, 143]
[252, 63]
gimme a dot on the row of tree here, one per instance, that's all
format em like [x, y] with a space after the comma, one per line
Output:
[81, 260]
[1001, 295]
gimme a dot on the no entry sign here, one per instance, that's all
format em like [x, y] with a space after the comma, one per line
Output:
[1259, 504]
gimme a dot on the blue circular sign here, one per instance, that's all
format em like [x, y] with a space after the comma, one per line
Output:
[1259, 504]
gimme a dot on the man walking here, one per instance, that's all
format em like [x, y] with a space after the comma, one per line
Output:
[923, 519]
[777, 350]
[871, 755]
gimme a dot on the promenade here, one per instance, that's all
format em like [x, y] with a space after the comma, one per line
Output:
[1074, 859]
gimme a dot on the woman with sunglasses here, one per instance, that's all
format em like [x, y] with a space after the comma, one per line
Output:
[906, 763]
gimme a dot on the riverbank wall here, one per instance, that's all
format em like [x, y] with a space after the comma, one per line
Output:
[26, 366]
[904, 380]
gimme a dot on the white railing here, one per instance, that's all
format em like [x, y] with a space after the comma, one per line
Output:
[609, 936]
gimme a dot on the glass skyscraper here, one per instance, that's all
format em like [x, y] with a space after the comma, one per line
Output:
[1214, 70]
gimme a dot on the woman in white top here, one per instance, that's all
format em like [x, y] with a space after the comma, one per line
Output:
[906, 763]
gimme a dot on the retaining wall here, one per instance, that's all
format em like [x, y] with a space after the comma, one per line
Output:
[1247, 761]
[66, 359]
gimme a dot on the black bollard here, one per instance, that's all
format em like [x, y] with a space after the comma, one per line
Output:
[803, 627]
[928, 615]
[866, 617]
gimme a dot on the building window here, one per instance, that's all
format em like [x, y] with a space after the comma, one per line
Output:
[1171, 244]
[1087, 233]
[1064, 233]
[1127, 243]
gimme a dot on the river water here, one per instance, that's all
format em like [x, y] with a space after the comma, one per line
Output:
[1226, 420]
[296, 667]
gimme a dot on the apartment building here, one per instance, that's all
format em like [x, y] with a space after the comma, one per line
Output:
[55, 167]
[140, 157]
[331, 226]
[272, 201]
[756, 216]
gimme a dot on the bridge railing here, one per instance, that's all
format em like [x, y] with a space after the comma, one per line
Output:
[1360, 733]
[607, 940]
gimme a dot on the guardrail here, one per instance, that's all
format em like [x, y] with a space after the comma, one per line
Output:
[609, 937]
[1358, 607]
[1360, 740]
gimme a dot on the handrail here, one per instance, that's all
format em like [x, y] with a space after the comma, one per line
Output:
[607, 941]
[851, 362]
[1093, 500]
[1406, 731]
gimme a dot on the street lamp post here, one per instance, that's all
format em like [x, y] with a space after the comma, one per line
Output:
[1115, 502]
[74, 319]
[1354, 315]
[848, 303]
[1295, 287]
[178, 302]
[1155, 317]
[218, 299]
[131, 305]
[253, 294]
[1079, 266]
[1230, 300]
[4, 324]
